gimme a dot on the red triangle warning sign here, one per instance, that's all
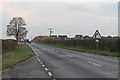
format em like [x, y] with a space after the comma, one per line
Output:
[97, 35]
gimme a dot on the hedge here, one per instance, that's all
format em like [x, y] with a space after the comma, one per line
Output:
[8, 45]
[104, 44]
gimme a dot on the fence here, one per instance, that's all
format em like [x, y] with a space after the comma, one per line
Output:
[8, 45]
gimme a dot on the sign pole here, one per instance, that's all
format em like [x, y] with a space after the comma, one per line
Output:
[97, 36]
[97, 43]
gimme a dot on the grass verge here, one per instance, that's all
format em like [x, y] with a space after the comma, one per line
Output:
[22, 53]
[101, 52]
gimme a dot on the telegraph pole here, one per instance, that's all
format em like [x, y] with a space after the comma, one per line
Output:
[50, 29]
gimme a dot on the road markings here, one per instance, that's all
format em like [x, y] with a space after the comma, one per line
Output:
[43, 65]
[35, 49]
[38, 58]
[86, 54]
[69, 56]
[35, 52]
[111, 59]
[44, 49]
[50, 74]
[53, 49]
[95, 64]
[46, 69]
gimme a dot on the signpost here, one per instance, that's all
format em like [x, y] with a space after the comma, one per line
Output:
[97, 36]
[97, 43]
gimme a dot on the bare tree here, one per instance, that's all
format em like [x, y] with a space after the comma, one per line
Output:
[17, 28]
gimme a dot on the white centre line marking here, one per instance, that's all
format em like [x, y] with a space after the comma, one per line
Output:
[94, 64]
[87, 54]
[69, 56]
[52, 49]
[44, 49]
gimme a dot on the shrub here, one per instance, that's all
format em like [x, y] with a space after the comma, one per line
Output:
[104, 44]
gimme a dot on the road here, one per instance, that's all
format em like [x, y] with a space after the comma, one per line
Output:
[72, 64]
[28, 69]
[62, 63]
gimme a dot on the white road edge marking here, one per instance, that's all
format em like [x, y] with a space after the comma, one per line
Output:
[38, 59]
[49, 73]
[46, 69]
[44, 49]
[35, 53]
[94, 63]
[43, 65]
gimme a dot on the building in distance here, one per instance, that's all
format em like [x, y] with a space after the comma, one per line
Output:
[78, 37]
[62, 37]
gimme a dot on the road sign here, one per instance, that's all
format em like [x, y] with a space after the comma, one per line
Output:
[97, 41]
[97, 35]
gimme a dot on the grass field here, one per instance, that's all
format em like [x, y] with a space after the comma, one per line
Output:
[22, 53]
[107, 53]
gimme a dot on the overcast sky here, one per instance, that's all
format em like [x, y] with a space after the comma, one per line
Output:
[69, 18]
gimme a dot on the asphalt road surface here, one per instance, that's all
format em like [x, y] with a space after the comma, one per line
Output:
[62, 63]
[72, 64]
[28, 69]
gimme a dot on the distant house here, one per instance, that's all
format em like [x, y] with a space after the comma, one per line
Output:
[72, 38]
[109, 37]
[103, 37]
[116, 37]
[38, 38]
[54, 36]
[77, 37]
[86, 37]
[62, 37]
